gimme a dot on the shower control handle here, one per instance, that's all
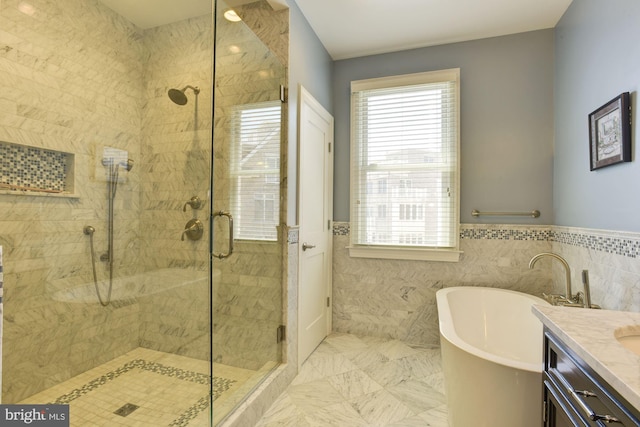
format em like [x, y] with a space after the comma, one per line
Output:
[193, 230]
[194, 202]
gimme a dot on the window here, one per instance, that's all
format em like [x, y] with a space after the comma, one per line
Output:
[255, 170]
[405, 134]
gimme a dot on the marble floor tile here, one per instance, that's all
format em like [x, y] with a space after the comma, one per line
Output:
[354, 384]
[332, 365]
[366, 358]
[338, 415]
[314, 395]
[346, 342]
[364, 381]
[417, 395]
[381, 408]
[389, 373]
[395, 349]
[436, 417]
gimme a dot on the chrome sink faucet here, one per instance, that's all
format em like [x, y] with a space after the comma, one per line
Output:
[568, 296]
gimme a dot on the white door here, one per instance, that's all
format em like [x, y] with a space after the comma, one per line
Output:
[315, 198]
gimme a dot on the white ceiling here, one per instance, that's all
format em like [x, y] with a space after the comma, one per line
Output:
[352, 28]
[152, 13]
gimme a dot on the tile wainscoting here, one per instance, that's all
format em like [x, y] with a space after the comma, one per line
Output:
[613, 261]
[396, 299]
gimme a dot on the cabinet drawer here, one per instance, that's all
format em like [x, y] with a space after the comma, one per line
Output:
[587, 394]
[559, 412]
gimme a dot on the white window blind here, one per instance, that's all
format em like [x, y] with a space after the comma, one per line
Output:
[255, 170]
[404, 161]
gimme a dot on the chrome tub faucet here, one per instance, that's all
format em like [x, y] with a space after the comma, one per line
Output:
[581, 299]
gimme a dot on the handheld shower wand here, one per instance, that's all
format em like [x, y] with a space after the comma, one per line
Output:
[112, 186]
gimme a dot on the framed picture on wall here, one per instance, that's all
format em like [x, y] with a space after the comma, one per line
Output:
[610, 133]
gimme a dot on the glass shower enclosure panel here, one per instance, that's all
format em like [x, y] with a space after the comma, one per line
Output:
[247, 216]
[105, 165]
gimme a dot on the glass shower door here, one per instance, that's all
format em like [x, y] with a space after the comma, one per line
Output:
[248, 116]
[105, 196]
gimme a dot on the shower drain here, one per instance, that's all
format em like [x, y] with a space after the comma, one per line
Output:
[126, 409]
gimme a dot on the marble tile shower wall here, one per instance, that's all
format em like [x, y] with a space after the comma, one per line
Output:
[70, 80]
[174, 166]
[248, 297]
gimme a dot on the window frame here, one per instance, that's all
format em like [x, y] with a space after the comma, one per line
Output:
[427, 253]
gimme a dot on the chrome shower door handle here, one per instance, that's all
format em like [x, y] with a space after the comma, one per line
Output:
[230, 218]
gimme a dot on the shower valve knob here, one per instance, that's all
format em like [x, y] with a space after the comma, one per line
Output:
[193, 230]
[194, 202]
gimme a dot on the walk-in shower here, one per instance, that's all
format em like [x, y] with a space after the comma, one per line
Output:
[179, 96]
[108, 307]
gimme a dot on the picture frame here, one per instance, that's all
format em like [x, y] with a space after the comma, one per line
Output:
[610, 133]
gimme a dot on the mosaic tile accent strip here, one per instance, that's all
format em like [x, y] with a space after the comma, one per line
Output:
[32, 169]
[620, 243]
[220, 385]
[492, 233]
[201, 405]
[475, 232]
[624, 244]
[341, 228]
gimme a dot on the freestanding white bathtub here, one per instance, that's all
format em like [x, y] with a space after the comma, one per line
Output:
[492, 357]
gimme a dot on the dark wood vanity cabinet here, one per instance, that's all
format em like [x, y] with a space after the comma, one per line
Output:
[574, 395]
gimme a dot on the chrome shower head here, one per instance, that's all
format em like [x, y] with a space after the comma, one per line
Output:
[179, 97]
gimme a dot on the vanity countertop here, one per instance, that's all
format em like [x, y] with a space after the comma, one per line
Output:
[590, 334]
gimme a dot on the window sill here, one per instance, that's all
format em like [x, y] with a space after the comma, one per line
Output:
[443, 255]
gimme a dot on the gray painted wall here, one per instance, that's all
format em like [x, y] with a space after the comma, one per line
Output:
[507, 120]
[310, 66]
[597, 58]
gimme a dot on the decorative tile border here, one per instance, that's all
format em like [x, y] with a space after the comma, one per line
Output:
[201, 405]
[613, 242]
[480, 232]
[341, 228]
[620, 243]
[220, 385]
[502, 232]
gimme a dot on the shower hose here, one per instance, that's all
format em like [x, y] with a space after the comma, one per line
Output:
[90, 230]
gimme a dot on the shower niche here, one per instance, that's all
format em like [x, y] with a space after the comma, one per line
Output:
[35, 171]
